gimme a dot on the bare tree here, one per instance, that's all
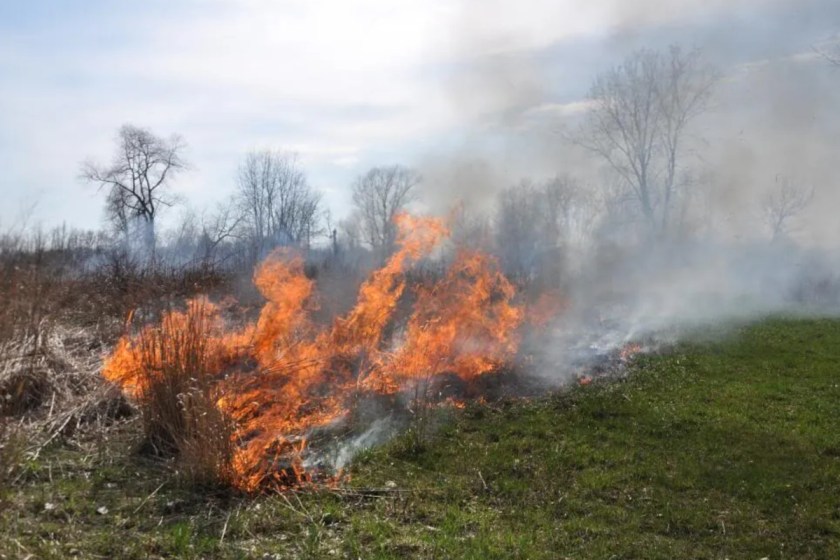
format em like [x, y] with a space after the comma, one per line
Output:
[572, 209]
[196, 237]
[117, 213]
[351, 231]
[180, 241]
[540, 224]
[470, 228]
[216, 228]
[783, 203]
[637, 123]
[138, 179]
[278, 205]
[522, 236]
[378, 196]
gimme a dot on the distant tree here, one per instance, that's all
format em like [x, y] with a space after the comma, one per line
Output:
[572, 210]
[783, 203]
[278, 206]
[378, 196]
[523, 236]
[537, 224]
[137, 180]
[216, 228]
[470, 228]
[351, 231]
[196, 238]
[117, 212]
[639, 115]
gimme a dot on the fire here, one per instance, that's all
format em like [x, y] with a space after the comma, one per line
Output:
[282, 378]
[629, 350]
[193, 337]
[465, 324]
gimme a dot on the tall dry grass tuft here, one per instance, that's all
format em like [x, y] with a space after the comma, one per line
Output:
[30, 294]
[171, 370]
[12, 446]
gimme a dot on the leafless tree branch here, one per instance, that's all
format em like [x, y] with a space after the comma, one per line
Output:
[137, 179]
[783, 203]
[277, 204]
[378, 196]
[637, 124]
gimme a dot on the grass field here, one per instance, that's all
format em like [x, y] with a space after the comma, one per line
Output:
[727, 448]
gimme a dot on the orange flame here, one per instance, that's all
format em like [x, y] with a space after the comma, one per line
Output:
[281, 378]
[629, 350]
[464, 324]
[196, 335]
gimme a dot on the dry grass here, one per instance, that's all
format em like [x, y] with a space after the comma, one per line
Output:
[176, 396]
[11, 454]
[58, 317]
[28, 293]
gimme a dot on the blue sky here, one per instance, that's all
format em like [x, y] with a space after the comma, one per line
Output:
[346, 85]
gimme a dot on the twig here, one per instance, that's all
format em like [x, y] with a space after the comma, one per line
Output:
[368, 492]
[302, 511]
[482, 480]
[150, 496]
[224, 529]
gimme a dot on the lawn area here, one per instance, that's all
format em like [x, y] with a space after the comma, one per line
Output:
[725, 448]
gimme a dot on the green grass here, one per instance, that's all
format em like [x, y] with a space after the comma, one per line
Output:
[717, 449]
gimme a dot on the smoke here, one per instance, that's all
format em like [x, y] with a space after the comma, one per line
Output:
[340, 455]
[520, 91]
[520, 86]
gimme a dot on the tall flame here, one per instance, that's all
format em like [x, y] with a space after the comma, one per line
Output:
[281, 378]
[463, 325]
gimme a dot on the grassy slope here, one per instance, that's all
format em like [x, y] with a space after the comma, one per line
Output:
[725, 449]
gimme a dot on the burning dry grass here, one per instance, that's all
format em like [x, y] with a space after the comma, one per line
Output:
[168, 369]
[267, 386]
[726, 448]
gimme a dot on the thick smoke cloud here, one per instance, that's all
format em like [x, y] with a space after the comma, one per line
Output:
[775, 116]
[775, 111]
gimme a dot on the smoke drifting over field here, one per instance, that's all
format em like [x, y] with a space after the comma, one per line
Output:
[773, 118]
[775, 109]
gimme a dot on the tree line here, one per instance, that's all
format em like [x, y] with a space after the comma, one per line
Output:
[637, 125]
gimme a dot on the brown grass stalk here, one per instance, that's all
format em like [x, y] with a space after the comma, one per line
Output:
[178, 366]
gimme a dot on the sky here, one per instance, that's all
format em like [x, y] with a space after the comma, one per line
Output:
[466, 91]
